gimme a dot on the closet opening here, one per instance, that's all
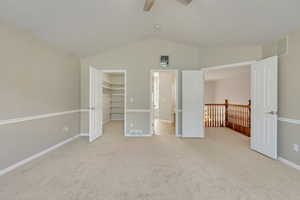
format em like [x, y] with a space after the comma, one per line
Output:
[113, 102]
[164, 116]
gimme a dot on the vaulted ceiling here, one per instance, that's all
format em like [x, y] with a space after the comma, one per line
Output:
[85, 27]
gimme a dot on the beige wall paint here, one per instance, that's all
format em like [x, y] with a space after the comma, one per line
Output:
[236, 89]
[229, 55]
[140, 57]
[209, 91]
[35, 79]
[289, 97]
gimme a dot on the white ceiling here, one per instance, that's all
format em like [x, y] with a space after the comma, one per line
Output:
[85, 27]
[228, 73]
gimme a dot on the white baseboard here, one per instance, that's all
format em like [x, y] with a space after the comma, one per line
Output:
[35, 156]
[137, 135]
[84, 134]
[289, 163]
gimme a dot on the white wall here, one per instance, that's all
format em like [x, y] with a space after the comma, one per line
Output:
[236, 89]
[166, 95]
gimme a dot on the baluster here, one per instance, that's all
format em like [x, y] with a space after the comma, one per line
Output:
[213, 116]
[218, 109]
[219, 116]
[209, 114]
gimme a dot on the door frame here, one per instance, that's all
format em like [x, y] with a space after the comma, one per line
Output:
[248, 63]
[234, 65]
[176, 99]
[103, 70]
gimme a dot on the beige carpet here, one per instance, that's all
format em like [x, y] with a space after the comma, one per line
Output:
[220, 167]
[164, 128]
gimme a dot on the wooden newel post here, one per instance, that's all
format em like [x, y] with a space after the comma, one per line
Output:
[226, 112]
[249, 120]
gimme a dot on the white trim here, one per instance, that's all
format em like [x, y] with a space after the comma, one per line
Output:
[229, 66]
[289, 163]
[124, 71]
[144, 135]
[37, 155]
[176, 71]
[84, 134]
[23, 119]
[138, 110]
[292, 121]
[84, 110]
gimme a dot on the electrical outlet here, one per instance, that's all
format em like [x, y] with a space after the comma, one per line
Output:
[66, 129]
[296, 147]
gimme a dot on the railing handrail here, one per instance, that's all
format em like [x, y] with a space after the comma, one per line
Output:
[214, 104]
[239, 105]
[234, 116]
[220, 104]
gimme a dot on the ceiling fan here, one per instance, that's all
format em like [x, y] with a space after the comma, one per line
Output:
[149, 3]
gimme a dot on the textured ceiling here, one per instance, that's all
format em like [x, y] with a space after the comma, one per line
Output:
[90, 26]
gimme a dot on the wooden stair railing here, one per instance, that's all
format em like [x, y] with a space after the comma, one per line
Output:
[234, 116]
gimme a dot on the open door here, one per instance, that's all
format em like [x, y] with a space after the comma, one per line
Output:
[153, 112]
[264, 106]
[192, 104]
[95, 126]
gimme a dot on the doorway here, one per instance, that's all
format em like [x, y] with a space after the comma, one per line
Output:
[107, 102]
[164, 102]
[262, 116]
[228, 99]
[264, 104]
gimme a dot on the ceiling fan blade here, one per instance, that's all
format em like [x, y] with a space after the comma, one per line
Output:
[148, 5]
[185, 2]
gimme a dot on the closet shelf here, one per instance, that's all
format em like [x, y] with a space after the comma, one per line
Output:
[110, 83]
[111, 88]
[117, 94]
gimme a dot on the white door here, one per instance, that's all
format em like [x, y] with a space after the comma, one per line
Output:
[264, 107]
[192, 104]
[95, 126]
[153, 108]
